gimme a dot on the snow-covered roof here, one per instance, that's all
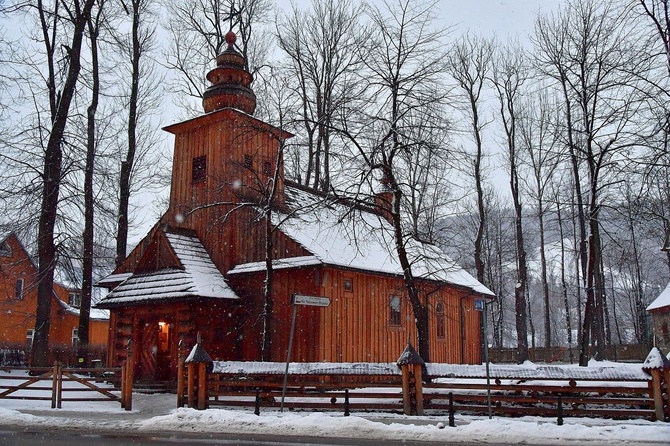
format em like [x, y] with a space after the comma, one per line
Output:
[113, 279]
[663, 300]
[96, 313]
[326, 230]
[198, 277]
[291, 262]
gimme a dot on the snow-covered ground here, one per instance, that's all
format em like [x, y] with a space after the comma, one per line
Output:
[157, 413]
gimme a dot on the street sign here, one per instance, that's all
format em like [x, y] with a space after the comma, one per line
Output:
[479, 304]
[312, 301]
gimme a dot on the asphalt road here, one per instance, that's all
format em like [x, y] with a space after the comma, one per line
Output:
[83, 437]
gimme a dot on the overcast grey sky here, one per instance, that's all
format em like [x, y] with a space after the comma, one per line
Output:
[501, 17]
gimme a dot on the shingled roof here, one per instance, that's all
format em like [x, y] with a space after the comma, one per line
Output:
[194, 276]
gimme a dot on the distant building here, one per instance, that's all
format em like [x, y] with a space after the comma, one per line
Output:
[202, 268]
[18, 302]
[660, 319]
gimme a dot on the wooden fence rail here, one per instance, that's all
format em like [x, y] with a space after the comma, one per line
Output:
[410, 386]
[89, 380]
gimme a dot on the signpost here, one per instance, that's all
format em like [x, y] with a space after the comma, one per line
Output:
[480, 305]
[299, 299]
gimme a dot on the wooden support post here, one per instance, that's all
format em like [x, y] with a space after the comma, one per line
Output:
[657, 390]
[202, 386]
[257, 405]
[452, 421]
[128, 381]
[346, 402]
[191, 385]
[406, 395]
[181, 356]
[197, 361]
[418, 390]
[665, 388]
[123, 384]
[55, 374]
[412, 385]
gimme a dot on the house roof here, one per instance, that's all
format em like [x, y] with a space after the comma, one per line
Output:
[360, 240]
[96, 313]
[195, 276]
[662, 301]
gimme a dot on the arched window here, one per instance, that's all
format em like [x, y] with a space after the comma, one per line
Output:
[439, 321]
[664, 330]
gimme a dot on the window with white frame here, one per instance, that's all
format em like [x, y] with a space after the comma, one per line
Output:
[74, 300]
[30, 334]
[75, 337]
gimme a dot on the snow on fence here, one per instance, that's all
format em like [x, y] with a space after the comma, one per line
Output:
[611, 390]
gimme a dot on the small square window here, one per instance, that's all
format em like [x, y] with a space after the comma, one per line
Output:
[199, 172]
[18, 290]
[74, 300]
[248, 161]
[348, 285]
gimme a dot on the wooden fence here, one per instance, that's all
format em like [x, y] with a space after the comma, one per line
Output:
[549, 391]
[618, 353]
[46, 383]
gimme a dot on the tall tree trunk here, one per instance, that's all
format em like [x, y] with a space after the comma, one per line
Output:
[87, 257]
[127, 165]
[564, 284]
[52, 176]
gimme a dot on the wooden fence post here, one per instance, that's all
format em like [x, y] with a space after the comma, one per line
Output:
[55, 375]
[197, 362]
[657, 365]
[412, 382]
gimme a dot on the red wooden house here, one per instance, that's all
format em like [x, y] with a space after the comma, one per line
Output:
[18, 302]
[202, 266]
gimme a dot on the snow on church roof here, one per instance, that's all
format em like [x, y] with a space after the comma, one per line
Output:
[365, 243]
[198, 278]
[663, 300]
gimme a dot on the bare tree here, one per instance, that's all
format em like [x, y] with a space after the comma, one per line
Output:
[323, 59]
[589, 49]
[537, 146]
[403, 69]
[142, 97]
[510, 72]
[469, 64]
[62, 25]
[94, 24]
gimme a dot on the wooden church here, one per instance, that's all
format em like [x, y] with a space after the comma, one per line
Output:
[202, 268]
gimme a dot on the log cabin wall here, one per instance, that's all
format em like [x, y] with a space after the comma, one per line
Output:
[357, 325]
[285, 283]
[214, 319]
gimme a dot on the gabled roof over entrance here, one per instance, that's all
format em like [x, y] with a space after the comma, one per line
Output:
[184, 270]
